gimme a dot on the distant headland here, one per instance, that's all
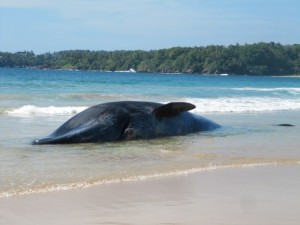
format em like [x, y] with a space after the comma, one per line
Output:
[250, 59]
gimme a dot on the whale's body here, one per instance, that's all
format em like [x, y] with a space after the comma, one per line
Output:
[128, 120]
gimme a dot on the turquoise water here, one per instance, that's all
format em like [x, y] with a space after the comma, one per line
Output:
[35, 102]
[44, 88]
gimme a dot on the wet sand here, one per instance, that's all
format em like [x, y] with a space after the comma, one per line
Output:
[254, 195]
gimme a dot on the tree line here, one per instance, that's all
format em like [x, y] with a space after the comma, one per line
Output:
[251, 59]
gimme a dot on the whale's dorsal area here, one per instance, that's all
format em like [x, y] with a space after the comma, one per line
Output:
[127, 120]
[172, 109]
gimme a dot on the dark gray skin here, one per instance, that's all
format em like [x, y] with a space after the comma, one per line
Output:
[285, 125]
[128, 120]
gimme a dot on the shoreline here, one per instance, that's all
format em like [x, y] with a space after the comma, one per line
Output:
[139, 178]
[152, 72]
[233, 144]
[253, 195]
[293, 76]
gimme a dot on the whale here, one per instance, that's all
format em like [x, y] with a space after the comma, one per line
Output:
[129, 120]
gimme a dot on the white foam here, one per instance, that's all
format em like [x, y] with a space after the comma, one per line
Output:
[203, 105]
[86, 184]
[241, 105]
[30, 110]
[267, 89]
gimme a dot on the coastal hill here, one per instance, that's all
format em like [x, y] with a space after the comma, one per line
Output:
[251, 59]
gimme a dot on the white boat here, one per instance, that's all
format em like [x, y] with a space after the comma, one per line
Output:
[126, 71]
[132, 70]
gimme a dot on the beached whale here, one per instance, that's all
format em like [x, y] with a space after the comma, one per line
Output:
[128, 120]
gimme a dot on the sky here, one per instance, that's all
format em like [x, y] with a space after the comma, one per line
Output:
[54, 25]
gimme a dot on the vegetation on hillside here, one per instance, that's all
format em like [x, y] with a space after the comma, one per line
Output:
[252, 59]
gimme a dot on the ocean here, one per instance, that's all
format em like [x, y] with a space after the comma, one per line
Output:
[33, 103]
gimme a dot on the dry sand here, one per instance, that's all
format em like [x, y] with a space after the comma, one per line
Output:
[261, 195]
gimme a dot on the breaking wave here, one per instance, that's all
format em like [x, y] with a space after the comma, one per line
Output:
[242, 105]
[215, 105]
[287, 89]
[31, 110]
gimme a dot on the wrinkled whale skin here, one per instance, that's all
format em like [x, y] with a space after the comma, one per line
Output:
[128, 120]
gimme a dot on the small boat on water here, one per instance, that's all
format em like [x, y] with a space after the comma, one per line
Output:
[132, 70]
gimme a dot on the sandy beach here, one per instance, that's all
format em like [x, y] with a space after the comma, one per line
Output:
[253, 195]
[246, 172]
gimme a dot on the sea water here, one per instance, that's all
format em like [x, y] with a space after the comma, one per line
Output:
[33, 103]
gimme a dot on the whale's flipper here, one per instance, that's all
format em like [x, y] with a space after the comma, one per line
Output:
[285, 125]
[172, 109]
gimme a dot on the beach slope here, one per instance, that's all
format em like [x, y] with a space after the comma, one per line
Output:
[254, 195]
